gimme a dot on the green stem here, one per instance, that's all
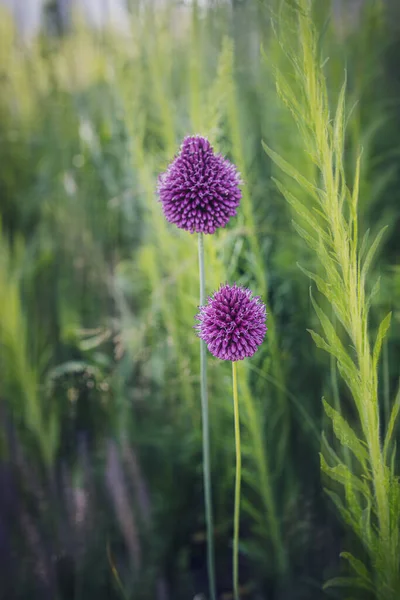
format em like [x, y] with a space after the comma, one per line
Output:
[237, 484]
[206, 434]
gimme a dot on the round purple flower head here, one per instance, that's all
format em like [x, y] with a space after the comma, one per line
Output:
[200, 190]
[232, 323]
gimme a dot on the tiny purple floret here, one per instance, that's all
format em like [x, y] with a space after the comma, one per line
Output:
[232, 323]
[200, 190]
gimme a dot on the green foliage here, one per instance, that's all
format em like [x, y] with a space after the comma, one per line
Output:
[98, 296]
[20, 381]
[331, 230]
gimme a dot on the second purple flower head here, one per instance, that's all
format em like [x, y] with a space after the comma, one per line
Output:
[232, 323]
[200, 190]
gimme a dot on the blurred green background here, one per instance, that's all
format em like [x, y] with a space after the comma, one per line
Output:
[100, 424]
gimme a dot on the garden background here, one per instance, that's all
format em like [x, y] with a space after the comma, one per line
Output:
[101, 491]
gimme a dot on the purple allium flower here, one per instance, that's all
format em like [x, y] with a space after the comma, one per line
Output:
[232, 323]
[200, 190]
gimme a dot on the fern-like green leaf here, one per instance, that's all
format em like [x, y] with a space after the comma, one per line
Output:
[371, 253]
[323, 286]
[391, 425]
[342, 475]
[382, 331]
[291, 171]
[345, 433]
[359, 568]
[335, 345]
[319, 341]
[338, 128]
[347, 582]
[311, 241]
[372, 294]
[301, 210]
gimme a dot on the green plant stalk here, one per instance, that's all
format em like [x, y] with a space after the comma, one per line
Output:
[237, 484]
[263, 464]
[325, 143]
[206, 433]
[348, 258]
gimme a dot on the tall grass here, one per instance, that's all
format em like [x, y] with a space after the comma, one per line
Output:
[329, 223]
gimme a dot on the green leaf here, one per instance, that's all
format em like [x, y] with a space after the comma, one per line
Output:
[359, 567]
[345, 433]
[346, 582]
[322, 286]
[356, 187]
[319, 341]
[321, 36]
[391, 425]
[382, 331]
[342, 475]
[338, 133]
[285, 93]
[372, 294]
[311, 241]
[335, 345]
[291, 171]
[351, 378]
[365, 526]
[301, 210]
[393, 459]
[371, 253]
[364, 243]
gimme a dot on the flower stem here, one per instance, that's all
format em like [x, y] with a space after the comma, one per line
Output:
[206, 435]
[237, 484]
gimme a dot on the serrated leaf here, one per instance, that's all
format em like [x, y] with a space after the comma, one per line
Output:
[351, 378]
[358, 566]
[365, 525]
[356, 186]
[345, 433]
[328, 448]
[346, 582]
[382, 331]
[364, 243]
[371, 253]
[338, 133]
[319, 341]
[342, 475]
[321, 36]
[392, 422]
[291, 171]
[311, 241]
[372, 294]
[393, 459]
[322, 286]
[301, 209]
[335, 345]
[285, 93]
